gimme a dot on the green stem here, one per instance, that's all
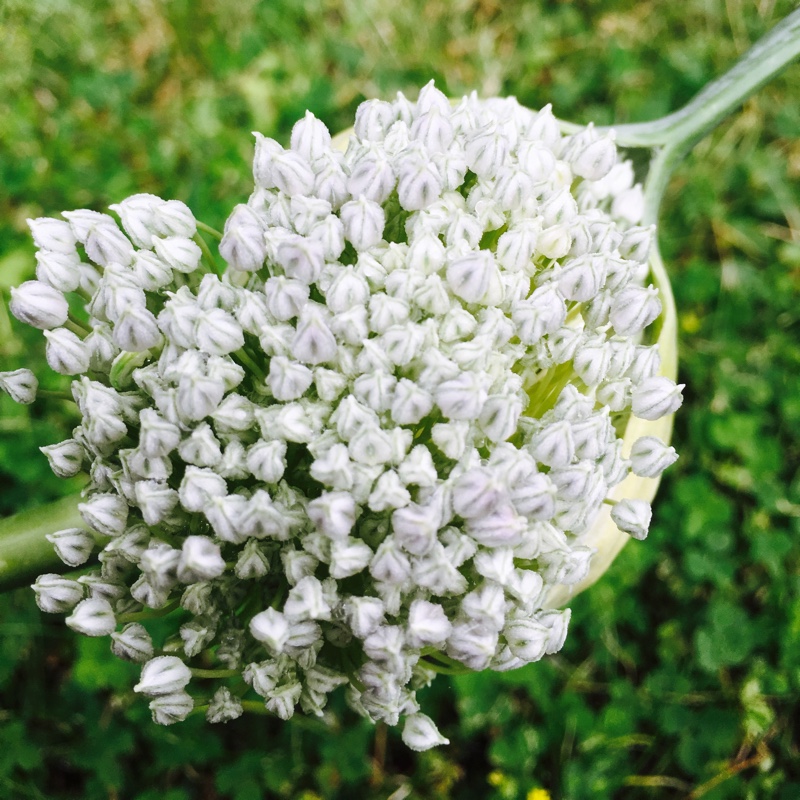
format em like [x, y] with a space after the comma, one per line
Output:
[148, 613]
[255, 707]
[214, 673]
[673, 136]
[24, 551]
[201, 226]
[207, 254]
[687, 126]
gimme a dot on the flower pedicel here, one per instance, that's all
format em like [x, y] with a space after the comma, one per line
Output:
[369, 450]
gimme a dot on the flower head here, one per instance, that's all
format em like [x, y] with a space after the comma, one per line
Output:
[374, 445]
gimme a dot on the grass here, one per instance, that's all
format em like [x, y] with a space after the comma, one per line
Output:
[681, 674]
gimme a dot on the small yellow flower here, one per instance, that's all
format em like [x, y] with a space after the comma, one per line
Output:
[538, 794]
[495, 778]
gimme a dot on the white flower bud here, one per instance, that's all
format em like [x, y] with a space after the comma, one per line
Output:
[106, 244]
[285, 297]
[527, 638]
[52, 234]
[646, 363]
[145, 591]
[267, 460]
[330, 180]
[634, 308]
[243, 246]
[427, 624]
[310, 137]
[56, 594]
[636, 243]
[462, 397]
[105, 513]
[92, 617]
[419, 184]
[472, 644]
[420, 733]
[287, 379]
[373, 120]
[66, 458]
[200, 560]
[224, 707]
[434, 129]
[301, 258]
[370, 446]
[629, 205]
[555, 241]
[60, 270]
[307, 212]
[272, 628]
[136, 330]
[174, 218]
[157, 437]
[389, 492]
[226, 370]
[542, 313]
[199, 396]
[39, 305]
[371, 177]
[415, 527]
[616, 394]
[594, 159]
[487, 150]
[72, 545]
[592, 360]
[132, 643]
[307, 600]
[156, 500]
[198, 487]
[265, 151]
[20, 385]
[450, 438]
[253, 561]
[363, 222]
[516, 247]
[348, 557]
[83, 221]
[581, 278]
[291, 173]
[632, 517]
[178, 252]
[282, 700]
[475, 278]
[65, 352]
[136, 213]
[234, 414]
[168, 709]
[313, 342]
[333, 514]
[650, 457]
[656, 397]
[553, 445]
[390, 564]
[163, 676]
[363, 615]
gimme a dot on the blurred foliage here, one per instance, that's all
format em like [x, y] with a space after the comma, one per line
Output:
[681, 674]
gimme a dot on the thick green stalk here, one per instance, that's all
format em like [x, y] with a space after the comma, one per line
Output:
[673, 136]
[24, 550]
[759, 65]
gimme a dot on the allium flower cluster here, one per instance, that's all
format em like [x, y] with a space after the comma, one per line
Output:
[366, 452]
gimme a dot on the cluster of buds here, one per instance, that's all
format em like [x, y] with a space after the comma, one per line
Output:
[367, 452]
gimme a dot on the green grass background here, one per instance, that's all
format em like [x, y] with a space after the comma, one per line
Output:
[681, 674]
